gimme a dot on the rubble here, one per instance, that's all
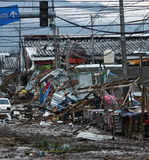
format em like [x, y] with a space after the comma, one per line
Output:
[54, 95]
[61, 103]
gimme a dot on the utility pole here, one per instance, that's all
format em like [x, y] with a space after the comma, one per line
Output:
[57, 47]
[92, 40]
[54, 28]
[68, 51]
[20, 46]
[20, 55]
[123, 40]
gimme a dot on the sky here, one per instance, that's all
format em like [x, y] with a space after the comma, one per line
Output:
[105, 15]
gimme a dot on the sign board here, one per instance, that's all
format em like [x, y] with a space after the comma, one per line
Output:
[9, 14]
[108, 56]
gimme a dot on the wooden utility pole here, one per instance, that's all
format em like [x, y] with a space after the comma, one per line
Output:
[123, 40]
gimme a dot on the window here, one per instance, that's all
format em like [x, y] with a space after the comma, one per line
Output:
[4, 101]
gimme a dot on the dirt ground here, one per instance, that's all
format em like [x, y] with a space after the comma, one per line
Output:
[32, 141]
[58, 142]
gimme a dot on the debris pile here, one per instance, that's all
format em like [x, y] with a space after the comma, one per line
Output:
[99, 98]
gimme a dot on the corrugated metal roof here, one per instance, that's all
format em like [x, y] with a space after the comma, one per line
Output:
[10, 63]
[41, 51]
[100, 45]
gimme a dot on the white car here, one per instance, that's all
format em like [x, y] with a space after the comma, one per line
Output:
[5, 104]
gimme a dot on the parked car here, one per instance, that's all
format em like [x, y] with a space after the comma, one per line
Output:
[5, 104]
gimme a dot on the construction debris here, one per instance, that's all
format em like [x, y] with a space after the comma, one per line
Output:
[75, 96]
[71, 103]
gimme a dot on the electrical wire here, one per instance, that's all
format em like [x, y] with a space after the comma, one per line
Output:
[75, 24]
[92, 1]
[82, 7]
[86, 26]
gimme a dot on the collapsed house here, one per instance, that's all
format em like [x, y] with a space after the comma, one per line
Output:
[84, 97]
[89, 93]
[94, 95]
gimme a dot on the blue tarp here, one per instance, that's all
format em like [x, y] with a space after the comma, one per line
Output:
[41, 96]
[9, 14]
[46, 94]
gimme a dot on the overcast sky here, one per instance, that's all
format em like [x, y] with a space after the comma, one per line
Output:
[105, 13]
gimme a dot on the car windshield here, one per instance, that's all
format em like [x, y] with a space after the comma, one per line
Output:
[4, 101]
